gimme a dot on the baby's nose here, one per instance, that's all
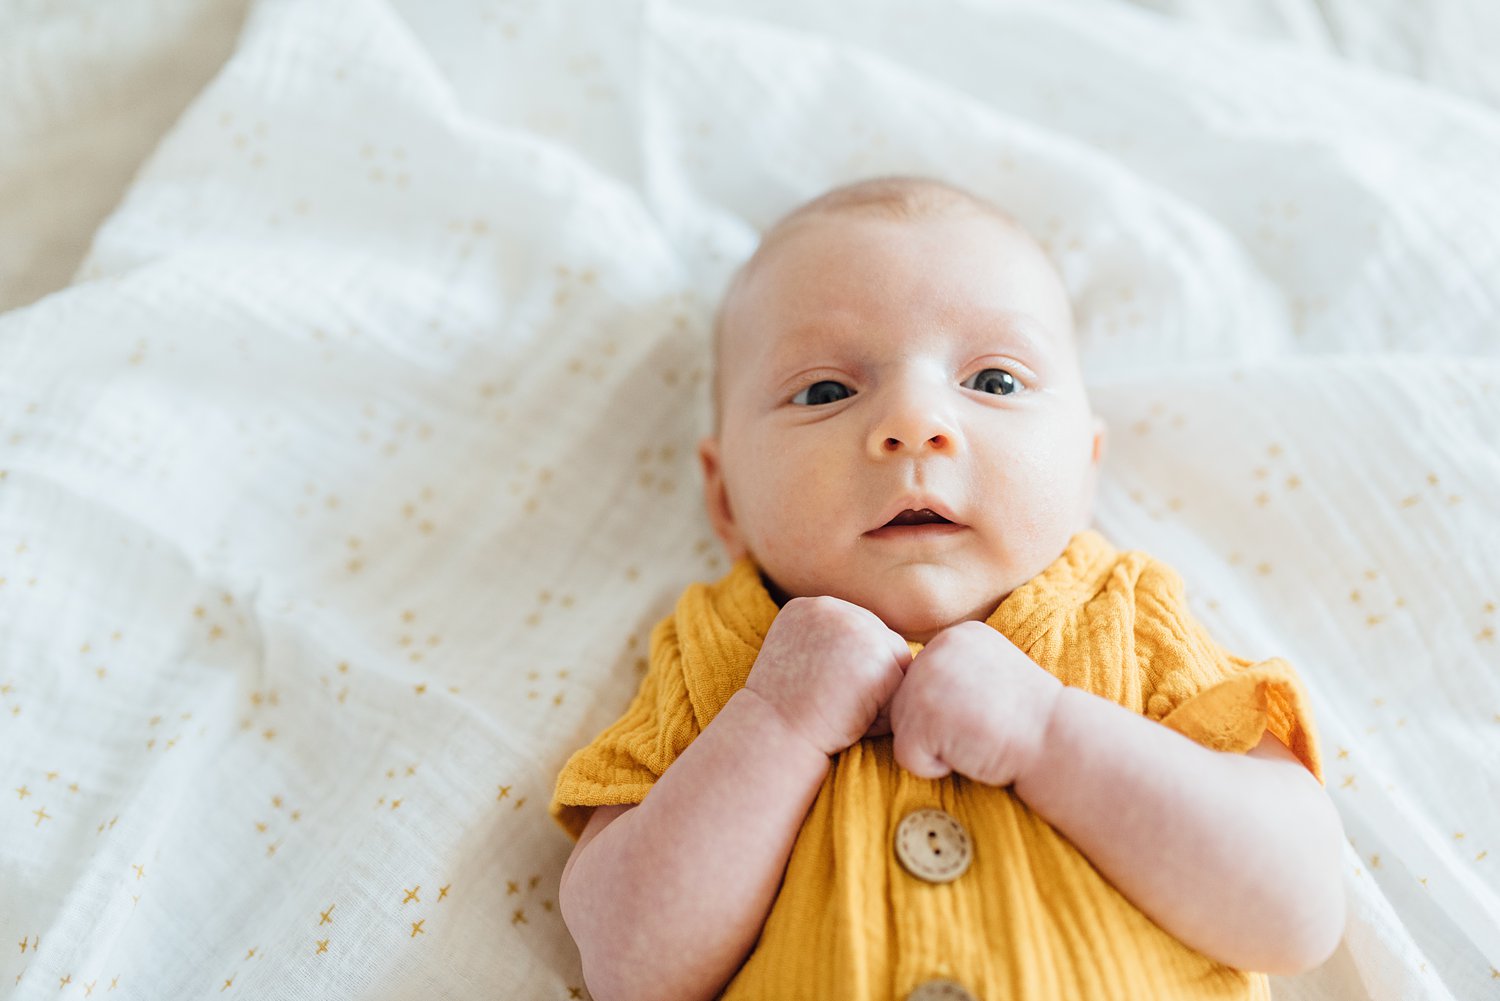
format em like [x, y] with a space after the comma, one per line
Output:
[913, 430]
[937, 442]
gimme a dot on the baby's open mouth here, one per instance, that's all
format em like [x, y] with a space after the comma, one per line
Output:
[925, 516]
[917, 525]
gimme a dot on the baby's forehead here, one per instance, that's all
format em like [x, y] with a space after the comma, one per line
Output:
[803, 258]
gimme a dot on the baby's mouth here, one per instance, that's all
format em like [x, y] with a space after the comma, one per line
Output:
[925, 516]
[915, 525]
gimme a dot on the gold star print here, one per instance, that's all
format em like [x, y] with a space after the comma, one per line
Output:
[24, 792]
[88, 989]
[505, 790]
[322, 946]
[575, 992]
[1343, 753]
[326, 920]
[1349, 783]
[250, 954]
[412, 894]
[23, 943]
[66, 980]
[227, 984]
[416, 928]
[519, 918]
[41, 815]
[140, 871]
[443, 891]
[512, 887]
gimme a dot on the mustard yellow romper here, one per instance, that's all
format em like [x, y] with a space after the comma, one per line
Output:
[1030, 917]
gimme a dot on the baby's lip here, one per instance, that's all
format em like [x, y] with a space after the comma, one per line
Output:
[918, 503]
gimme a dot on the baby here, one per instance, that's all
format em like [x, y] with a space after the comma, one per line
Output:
[932, 736]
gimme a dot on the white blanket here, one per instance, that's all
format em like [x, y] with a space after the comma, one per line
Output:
[341, 485]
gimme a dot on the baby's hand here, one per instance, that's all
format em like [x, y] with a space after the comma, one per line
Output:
[829, 667]
[972, 703]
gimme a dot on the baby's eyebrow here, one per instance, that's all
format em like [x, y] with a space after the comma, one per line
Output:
[1017, 330]
[1022, 329]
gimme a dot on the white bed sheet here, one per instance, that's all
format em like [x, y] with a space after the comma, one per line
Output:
[339, 488]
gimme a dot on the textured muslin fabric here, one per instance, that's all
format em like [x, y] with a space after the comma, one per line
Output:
[345, 475]
[1031, 918]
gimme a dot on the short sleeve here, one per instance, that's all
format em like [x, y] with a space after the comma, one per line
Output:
[1202, 691]
[624, 761]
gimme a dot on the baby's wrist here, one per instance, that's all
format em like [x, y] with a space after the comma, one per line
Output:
[764, 716]
[1041, 751]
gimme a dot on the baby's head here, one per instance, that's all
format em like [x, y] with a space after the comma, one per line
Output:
[899, 343]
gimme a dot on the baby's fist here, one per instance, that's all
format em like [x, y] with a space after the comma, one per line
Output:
[972, 703]
[828, 666]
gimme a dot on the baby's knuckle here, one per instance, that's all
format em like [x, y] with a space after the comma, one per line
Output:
[799, 606]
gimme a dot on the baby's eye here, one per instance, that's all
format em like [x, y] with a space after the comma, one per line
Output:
[819, 393]
[993, 380]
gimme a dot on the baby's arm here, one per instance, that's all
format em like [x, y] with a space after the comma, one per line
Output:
[668, 898]
[1236, 855]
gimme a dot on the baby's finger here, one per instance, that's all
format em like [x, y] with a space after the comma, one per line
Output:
[900, 648]
[918, 760]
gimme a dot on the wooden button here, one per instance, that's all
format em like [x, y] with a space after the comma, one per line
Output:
[933, 846]
[940, 990]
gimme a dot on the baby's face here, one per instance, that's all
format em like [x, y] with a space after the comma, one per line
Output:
[874, 365]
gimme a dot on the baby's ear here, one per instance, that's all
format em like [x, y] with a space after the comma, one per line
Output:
[716, 498]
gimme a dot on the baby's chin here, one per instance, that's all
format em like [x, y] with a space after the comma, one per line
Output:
[921, 625]
[919, 603]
